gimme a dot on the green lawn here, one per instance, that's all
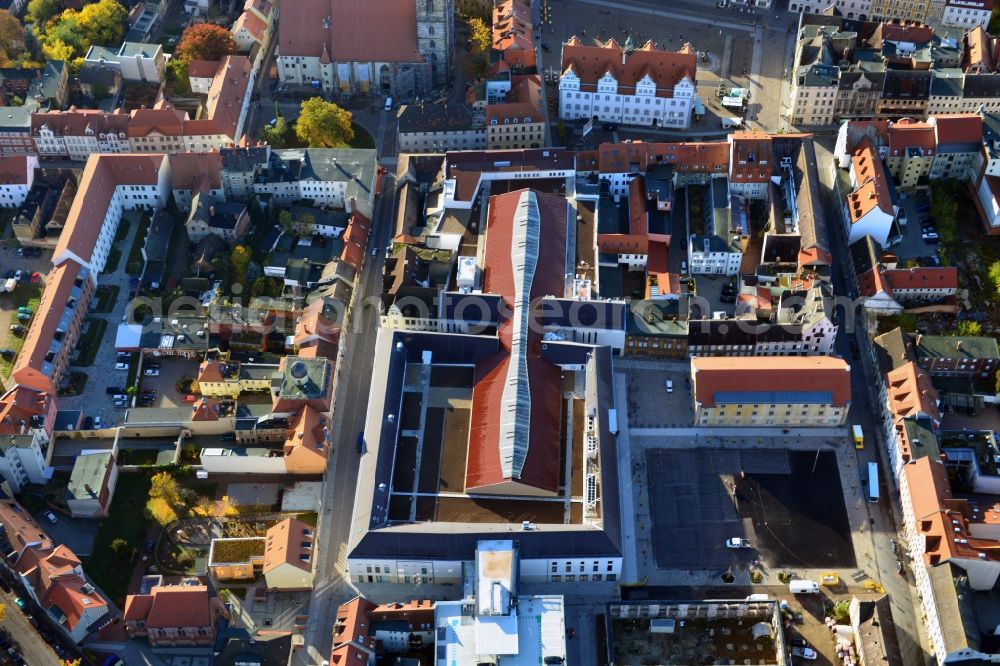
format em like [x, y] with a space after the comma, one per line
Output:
[135, 262]
[125, 521]
[90, 342]
[106, 296]
[122, 233]
[137, 457]
[29, 295]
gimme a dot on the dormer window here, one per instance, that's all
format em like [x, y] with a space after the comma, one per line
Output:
[506, 121]
[527, 119]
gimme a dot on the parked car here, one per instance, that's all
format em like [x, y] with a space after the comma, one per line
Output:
[9, 274]
[7, 353]
[17, 329]
[546, 47]
[35, 278]
[121, 366]
[51, 517]
[121, 403]
[19, 275]
[804, 653]
[112, 390]
[736, 542]
[97, 423]
[23, 316]
[120, 396]
[151, 372]
[361, 442]
[20, 603]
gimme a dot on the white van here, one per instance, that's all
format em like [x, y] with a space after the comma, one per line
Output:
[803, 587]
[759, 597]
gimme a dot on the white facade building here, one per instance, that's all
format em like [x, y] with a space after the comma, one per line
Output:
[967, 14]
[634, 87]
[17, 173]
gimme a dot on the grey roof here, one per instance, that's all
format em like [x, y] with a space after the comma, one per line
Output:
[176, 333]
[954, 602]
[954, 346]
[16, 441]
[243, 160]
[217, 214]
[740, 332]
[658, 318]
[87, 479]
[946, 84]
[981, 85]
[303, 378]
[571, 313]
[98, 53]
[907, 84]
[98, 75]
[15, 119]
[133, 49]
[354, 166]
[434, 118]
[879, 643]
[894, 349]
[922, 437]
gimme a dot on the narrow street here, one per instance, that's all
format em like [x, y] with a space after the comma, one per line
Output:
[348, 414]
[883, 516]
[26, 640]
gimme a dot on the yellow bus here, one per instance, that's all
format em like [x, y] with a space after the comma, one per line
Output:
[858, 436]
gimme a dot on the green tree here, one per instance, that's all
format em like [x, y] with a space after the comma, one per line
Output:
[323, 124]
[41, 12]
[277, 135]
[239, 260]
[842, 611]
[57, 49]
[286, 220]
[205, 41]
[994, 273]
[159, 509]
[11, 38]
[100, 91]
[121, 548]
[164, 486]
[102, 22]
[481, 35]
[177, 76]
[968, 328]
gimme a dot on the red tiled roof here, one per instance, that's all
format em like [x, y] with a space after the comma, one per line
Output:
[901, 279]
[873, 282]
[776, 373]
[911, 392]
[906, 31]
[19, 405]
[959, 128]
[171, 607]
[14, 170]
[198, 172]
[665, 68]
[523, 101]
[541, 465]
[67, 595]
[751, 159]
[28, 368]
[349, 30]
[978, 51]
[253, 24]
[75, 122]
[355, 241]
[909, 133]
[284, 545]
[101, 175]
[203, 69]
[702, 157]
[873, 186]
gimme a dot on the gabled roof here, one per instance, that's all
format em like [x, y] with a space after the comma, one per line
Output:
[171, 607]
[287, 543]
[253, 24]
[665, 68]
[911, 393]
[928, 277]
[959, 128]
[349, 30]
[76, 122]
[20, 405]
[101, 175]
[197, 172]
[873, 188]
[716, 376]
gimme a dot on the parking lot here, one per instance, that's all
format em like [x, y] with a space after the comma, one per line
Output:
[699, 498]
[913, 246]
[651, 405]
[172, 371]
